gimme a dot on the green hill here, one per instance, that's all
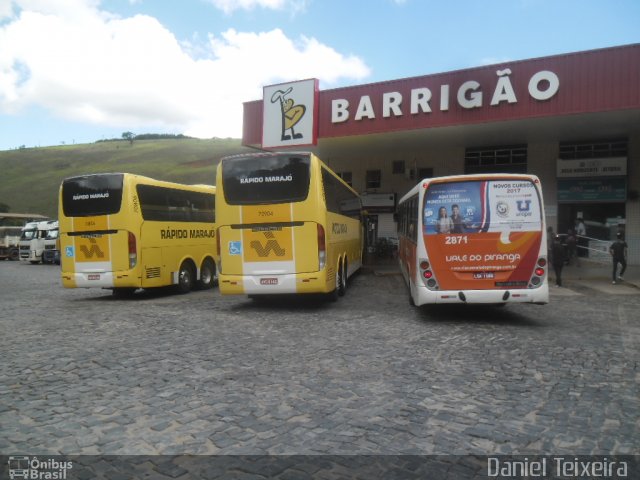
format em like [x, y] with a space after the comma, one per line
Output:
[30, 177]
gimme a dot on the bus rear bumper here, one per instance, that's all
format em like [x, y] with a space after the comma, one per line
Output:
[538, 295]
[87, 280]
[272, 284]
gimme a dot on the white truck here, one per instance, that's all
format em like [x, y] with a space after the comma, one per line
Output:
[35, 238]
[9, 238]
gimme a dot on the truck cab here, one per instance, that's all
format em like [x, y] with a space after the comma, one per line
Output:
[33, 240]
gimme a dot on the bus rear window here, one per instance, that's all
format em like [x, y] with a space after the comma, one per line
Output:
[265, 179]
[91, 195]
[482, 206]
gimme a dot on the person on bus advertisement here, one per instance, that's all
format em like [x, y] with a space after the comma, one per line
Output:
[444, 224]
[464, 202]
[459, 224]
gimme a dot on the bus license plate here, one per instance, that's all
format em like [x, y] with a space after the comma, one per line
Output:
[268, 281]
[93, 277]
[483, 275]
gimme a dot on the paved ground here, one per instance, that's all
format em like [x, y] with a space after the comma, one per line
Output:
[83, 373]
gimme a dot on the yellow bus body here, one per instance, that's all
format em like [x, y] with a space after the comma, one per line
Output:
[123, 250]
[274, 248]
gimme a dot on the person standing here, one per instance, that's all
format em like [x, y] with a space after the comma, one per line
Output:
[618, 251]
[558, 258]
[581, 237]
[570, 241]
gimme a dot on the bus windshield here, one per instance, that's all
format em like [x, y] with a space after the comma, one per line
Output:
[91, 195]
[265, 179]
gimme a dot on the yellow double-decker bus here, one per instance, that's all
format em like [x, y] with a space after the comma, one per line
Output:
[286, 224]
[123, 232]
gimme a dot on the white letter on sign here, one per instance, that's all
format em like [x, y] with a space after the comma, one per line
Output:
[475, 98]
[365, 108]
[391, 104]
[552, 89]
[339, 110]
[420, 98]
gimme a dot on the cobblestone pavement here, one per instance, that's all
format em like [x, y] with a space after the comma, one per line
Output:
[83, 373]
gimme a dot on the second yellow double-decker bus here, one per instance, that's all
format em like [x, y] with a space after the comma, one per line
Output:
[286, 224]
[124, 231]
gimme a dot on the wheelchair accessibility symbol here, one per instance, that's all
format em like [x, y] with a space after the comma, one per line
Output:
[235, 248]
[69, 251]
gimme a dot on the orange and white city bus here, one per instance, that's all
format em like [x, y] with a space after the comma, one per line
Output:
[286, 224]
[123, 231]
[474, 239]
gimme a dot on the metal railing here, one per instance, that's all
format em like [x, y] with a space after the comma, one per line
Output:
[596, 250]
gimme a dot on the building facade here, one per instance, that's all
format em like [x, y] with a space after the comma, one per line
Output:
[573, 120]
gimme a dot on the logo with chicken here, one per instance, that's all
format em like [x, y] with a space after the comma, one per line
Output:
[291, 114]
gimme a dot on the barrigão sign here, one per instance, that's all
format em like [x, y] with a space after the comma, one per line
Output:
[542, 86]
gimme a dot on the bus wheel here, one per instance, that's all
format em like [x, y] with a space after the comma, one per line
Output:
[411, 301]
[333, 295]
[185, 278]
[342, 286]
[207, 275]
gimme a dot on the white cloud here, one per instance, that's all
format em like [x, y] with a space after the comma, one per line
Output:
[229, 6]
[85, 65]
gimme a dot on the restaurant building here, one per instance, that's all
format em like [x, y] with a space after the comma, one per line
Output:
[573, 120]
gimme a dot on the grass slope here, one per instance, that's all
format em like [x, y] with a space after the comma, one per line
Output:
[30, 178]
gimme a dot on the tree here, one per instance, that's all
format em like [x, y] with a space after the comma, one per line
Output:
[128, 136]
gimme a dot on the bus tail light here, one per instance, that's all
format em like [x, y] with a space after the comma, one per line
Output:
[322, 248]
[427, 274]
[133, 254]
[538, 274]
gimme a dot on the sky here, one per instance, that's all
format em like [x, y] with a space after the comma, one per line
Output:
[79, 71]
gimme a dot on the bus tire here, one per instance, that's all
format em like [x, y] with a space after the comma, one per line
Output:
[335, 293]
[343, 283]
[207, 275]
[185, 278]
[411, 301]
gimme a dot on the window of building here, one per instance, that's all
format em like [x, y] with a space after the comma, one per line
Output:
[347, 177]
[398, 167]
[373, 178]
[502, 159]
[599, 149]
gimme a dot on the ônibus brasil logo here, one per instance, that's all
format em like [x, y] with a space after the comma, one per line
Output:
[32, 468]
